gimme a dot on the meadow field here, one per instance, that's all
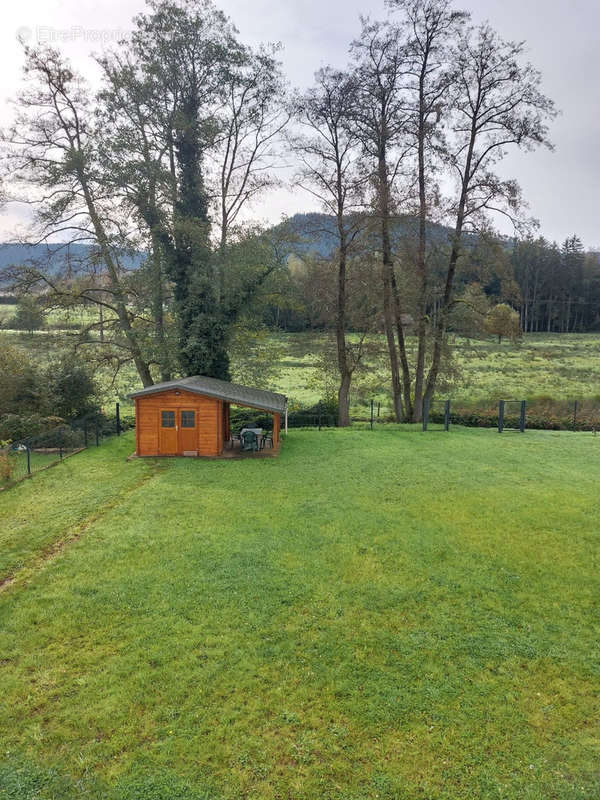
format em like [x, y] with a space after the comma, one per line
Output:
[557, 366]
[374, 614]
[541, 368]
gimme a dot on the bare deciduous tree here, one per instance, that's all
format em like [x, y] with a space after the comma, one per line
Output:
[251, 120]
[51, 155]
[380, 116]
[430, 26]
[328, 151]
[497, 104]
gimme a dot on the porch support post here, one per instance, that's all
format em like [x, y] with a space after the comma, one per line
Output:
[226, 427]
[286, 425]
[276, 428]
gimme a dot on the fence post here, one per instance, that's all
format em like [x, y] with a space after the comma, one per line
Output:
[500, 416]
[425, 412]
[522, 417]
[447, 415]
[378, 409]
[118, 419]
[575, 415]
[372, 408]
[28, 460]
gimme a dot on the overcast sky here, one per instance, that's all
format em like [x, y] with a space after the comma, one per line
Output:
[562, 38]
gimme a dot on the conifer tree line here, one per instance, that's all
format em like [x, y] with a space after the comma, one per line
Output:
[190, 126]
[559, 286]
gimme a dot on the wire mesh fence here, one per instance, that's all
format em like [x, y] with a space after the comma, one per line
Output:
[505, 415]
[512, 415]
[298, 419]
[26, 456]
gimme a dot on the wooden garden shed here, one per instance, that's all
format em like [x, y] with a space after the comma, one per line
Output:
[190, 416]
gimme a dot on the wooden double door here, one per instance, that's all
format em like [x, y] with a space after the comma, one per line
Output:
[178, 431]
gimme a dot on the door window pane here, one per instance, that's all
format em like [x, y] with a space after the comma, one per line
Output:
[167, 419]
[188, 419]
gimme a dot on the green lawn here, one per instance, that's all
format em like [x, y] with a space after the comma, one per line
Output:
[60, 502]
[384, 614]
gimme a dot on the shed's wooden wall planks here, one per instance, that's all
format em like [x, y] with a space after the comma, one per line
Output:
[209, 426]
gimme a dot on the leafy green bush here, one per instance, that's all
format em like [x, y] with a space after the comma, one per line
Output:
[30, 315]
[246, 418]
[16, 427]
[326, 410]
[108, 423]
[65, 388]
[298, 417]
[72, 390]
[52, 431]
[63, 436]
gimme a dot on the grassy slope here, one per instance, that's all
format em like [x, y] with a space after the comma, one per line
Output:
[37, 513]
[380, 614]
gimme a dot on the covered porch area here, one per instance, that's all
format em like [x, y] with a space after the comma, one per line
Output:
[252, 431]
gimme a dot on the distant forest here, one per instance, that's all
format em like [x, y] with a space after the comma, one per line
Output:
[555, 288]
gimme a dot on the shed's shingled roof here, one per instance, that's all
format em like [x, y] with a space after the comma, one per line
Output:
[231, 392]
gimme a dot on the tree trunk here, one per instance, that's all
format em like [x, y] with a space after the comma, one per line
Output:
[388, 281]
[408, 410]
[342, 353]
[389, 332]
[158, 302]
[421, 263]
[222, 248]
[440, 328]
[344, 400]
